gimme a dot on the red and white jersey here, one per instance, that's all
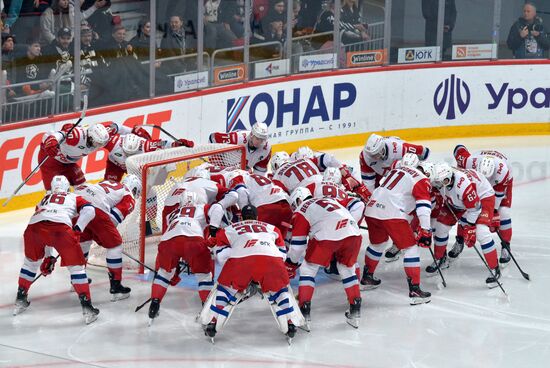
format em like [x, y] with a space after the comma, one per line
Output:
[322, 219]
[373, 167]
[257, 190]
[251, 238]
[294, 174]
[468, 189]
[322, 160]
[59, 207]
[256, 158]
[117, 155]
[401, 193]
[208, 191]
[109, 196]
[502, 176]
[324, 189]
[187, 221]
[74, 147]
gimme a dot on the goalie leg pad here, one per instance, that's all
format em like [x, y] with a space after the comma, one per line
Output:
[220, 305]
[285, 309]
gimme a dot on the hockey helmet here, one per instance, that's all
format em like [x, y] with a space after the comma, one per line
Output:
[130, 144]
[443, 174]
[298, 196]
[98, 136]
[233, 174]
[133, 184]
[487, 166]
[249, 212]
[332, 175]
[375, 145]
[278, 160]
[60, 184]
[303, 152]
[428, 168]
[259, 130]
[410, 160]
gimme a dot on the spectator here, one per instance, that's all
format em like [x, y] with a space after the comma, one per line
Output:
[299, 27]
[56, 55]
[31, 68]
[233, 17]
[216, 35]
[59, 15]
[174, 44]
[21, 18]
[140, 42]
[277, 13]
[527, 38]
[429, 11]
[8, 52]
[90, 59]
[310, 11]
[99, 17]
[354, 30]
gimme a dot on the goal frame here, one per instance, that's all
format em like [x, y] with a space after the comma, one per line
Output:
[143, 196]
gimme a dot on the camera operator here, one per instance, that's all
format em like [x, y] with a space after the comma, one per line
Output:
[528, 38]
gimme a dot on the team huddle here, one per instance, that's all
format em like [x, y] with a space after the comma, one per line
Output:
[264, 229]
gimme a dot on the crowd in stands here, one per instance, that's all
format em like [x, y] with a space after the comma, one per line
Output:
[38, 36]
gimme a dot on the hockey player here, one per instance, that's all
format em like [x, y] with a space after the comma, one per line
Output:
[120, 147]
[402, 192]
[320, 159]
[183, 238]
[63, 156]
[113, 201]
[469, 195]
[271, 201]
[51, 225]
[494, 166]
[251, 251]
[380, 153]
[293, 174]
[332, 231]
[257, 148]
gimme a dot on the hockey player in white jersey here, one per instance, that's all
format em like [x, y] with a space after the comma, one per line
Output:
[380, 153]
[402, 193]
[183, 238]
[293, 174]
[251, 251]
[495, 167]
[255, 142]
[320, 159]
[469, 196]
[271, 201]
[52, 226]
[113, 201]
[321, 229]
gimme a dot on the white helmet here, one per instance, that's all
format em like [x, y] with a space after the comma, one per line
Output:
[130, 144]
[199, 172]
[278, 160]
[428, 168]
[133, 184]
[233, 174]
[410, 160]
[375, 145]
[60, 184]
[98, 136]
[332, 175]
[487, 166]
[442, 171]
[298, 196]
[259, 130]
[303, 153]
[188, 198]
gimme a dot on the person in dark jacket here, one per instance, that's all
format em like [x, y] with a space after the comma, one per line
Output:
[527, 37]
[429, 11]
[140, 42]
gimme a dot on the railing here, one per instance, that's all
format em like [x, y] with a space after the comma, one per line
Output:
[276, 53]
[206, 62]
[375, 41]
[19, 108]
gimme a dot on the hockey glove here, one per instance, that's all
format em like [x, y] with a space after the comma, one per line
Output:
[469, 233]
[291, 268]
[140, 132]
[363, 193]
[48, 265]
[183, 143]
[349, 182]
[51, 146]
[176, 278]
[424, 238]
[213, 230]
[77, 231]
[495, 223]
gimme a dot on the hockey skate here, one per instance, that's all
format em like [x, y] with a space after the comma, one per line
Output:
[504, 255]
[306, 312]
[353, 314]
[332, 270]
[118, 292]
[368, 281]
[21, 302]
[458, 247]
[392, 254]
[416, 295]
[443, 264]
[210, 330]
[291, 332]
[90, 313]
[492, 281]
[153, 310]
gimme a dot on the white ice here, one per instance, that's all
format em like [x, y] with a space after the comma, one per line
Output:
[465, 325]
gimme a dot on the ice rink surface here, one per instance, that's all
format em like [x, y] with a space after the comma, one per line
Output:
[465, 325]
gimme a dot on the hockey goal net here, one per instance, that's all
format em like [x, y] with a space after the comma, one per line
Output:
[159, 171]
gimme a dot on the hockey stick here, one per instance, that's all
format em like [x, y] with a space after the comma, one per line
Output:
[161, 129]
[35, 170]
[143, 305]
[139, 262]
[506, 246]
[438, 269]
[478, 253]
